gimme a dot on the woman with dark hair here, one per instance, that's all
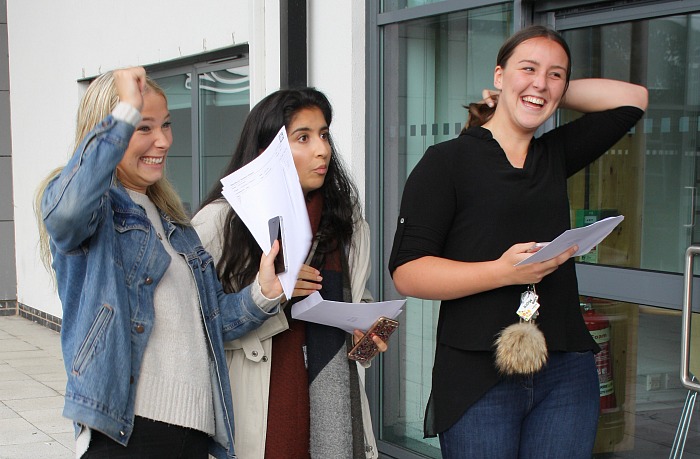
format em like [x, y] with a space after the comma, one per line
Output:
[474, 207]
[309, 400]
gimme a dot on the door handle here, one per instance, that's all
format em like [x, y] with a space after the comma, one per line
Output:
[692, 207]
[687, 379]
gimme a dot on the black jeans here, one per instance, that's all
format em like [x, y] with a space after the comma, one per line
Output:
[151, 440]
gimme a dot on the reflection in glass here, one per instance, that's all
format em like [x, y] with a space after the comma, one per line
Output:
[641, 396]
[224, 102]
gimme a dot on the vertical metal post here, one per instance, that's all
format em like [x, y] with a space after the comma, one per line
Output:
[293, 44]
[687, 379]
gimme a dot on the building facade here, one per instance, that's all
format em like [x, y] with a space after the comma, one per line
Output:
[398, 73]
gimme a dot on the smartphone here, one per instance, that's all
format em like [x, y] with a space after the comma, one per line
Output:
[366, 349]
[277, 233]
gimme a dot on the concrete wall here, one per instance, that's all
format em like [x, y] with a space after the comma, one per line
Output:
[54, 44]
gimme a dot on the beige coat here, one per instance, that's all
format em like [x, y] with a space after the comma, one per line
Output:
[249, 357]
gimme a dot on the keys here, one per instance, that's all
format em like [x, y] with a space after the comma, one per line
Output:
[528, 304]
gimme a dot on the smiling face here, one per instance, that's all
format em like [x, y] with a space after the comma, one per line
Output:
[143, 163]
[532, 83]
[311, 149]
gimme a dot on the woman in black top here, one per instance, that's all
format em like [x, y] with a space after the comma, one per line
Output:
[472, 208]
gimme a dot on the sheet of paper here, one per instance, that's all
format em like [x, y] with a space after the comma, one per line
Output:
[268, 187]
[585, 237]
[348, 316]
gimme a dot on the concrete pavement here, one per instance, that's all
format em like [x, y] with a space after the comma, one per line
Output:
[32, 384]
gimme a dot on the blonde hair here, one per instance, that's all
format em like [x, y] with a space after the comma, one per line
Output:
[99, 100]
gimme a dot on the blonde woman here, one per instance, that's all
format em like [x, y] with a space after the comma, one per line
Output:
[144, 316]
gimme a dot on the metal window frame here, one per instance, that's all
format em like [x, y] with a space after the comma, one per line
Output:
[433, 9]
[293, 44]
[566, 18]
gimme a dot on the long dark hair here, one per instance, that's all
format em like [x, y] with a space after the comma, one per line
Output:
[480, 113]
[241, 253]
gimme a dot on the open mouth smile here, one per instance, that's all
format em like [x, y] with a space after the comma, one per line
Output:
[533, 100]
[152, 161]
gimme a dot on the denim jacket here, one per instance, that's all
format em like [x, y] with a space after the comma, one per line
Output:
[108, 261]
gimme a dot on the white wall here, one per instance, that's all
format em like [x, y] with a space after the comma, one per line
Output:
[52, 44]
[336, 30]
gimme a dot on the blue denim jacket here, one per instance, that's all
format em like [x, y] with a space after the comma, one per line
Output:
[108, 262]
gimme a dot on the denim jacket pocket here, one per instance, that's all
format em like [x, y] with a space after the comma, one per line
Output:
[205, 259]
[91, 344]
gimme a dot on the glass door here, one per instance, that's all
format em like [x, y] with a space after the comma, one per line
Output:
[632, 284]
[651, 177]
[433, 66]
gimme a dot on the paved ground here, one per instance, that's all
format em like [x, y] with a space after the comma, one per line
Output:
[32, 384]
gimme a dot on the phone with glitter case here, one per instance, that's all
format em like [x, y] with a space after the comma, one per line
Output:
[366, 349]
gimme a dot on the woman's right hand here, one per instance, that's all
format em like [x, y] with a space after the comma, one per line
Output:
[308, 281]
[130, 84]
[270, 284]
[490, 97]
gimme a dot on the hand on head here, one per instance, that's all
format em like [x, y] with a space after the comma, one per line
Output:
[130, 83]
[269, 282]
[490, 97]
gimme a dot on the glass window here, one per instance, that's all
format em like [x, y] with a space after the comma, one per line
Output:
[224, 103]
[179, 162]
[432, 68]
[651, 176]
[641, 398]
[204, 139]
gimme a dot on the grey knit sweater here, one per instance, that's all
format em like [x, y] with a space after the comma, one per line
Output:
[174, 384]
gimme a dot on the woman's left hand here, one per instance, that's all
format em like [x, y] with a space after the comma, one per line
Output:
[269, 282]
[381, 345]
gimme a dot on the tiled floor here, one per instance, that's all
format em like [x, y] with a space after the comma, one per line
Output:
[32, 383]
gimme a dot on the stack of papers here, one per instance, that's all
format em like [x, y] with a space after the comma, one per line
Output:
[348, 316]
[586, 238]
[269, 187]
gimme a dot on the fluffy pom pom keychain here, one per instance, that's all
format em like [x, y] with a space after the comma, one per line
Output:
[521, 348]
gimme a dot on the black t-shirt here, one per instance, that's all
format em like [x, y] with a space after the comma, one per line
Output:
[464, 201]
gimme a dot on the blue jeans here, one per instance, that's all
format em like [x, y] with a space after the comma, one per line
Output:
[552, 414]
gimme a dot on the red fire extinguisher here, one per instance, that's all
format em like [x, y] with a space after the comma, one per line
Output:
[599, 327]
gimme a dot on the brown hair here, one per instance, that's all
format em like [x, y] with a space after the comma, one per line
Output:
[480, 113]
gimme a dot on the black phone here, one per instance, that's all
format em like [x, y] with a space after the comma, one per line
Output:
[277, 233]
[366, 349]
